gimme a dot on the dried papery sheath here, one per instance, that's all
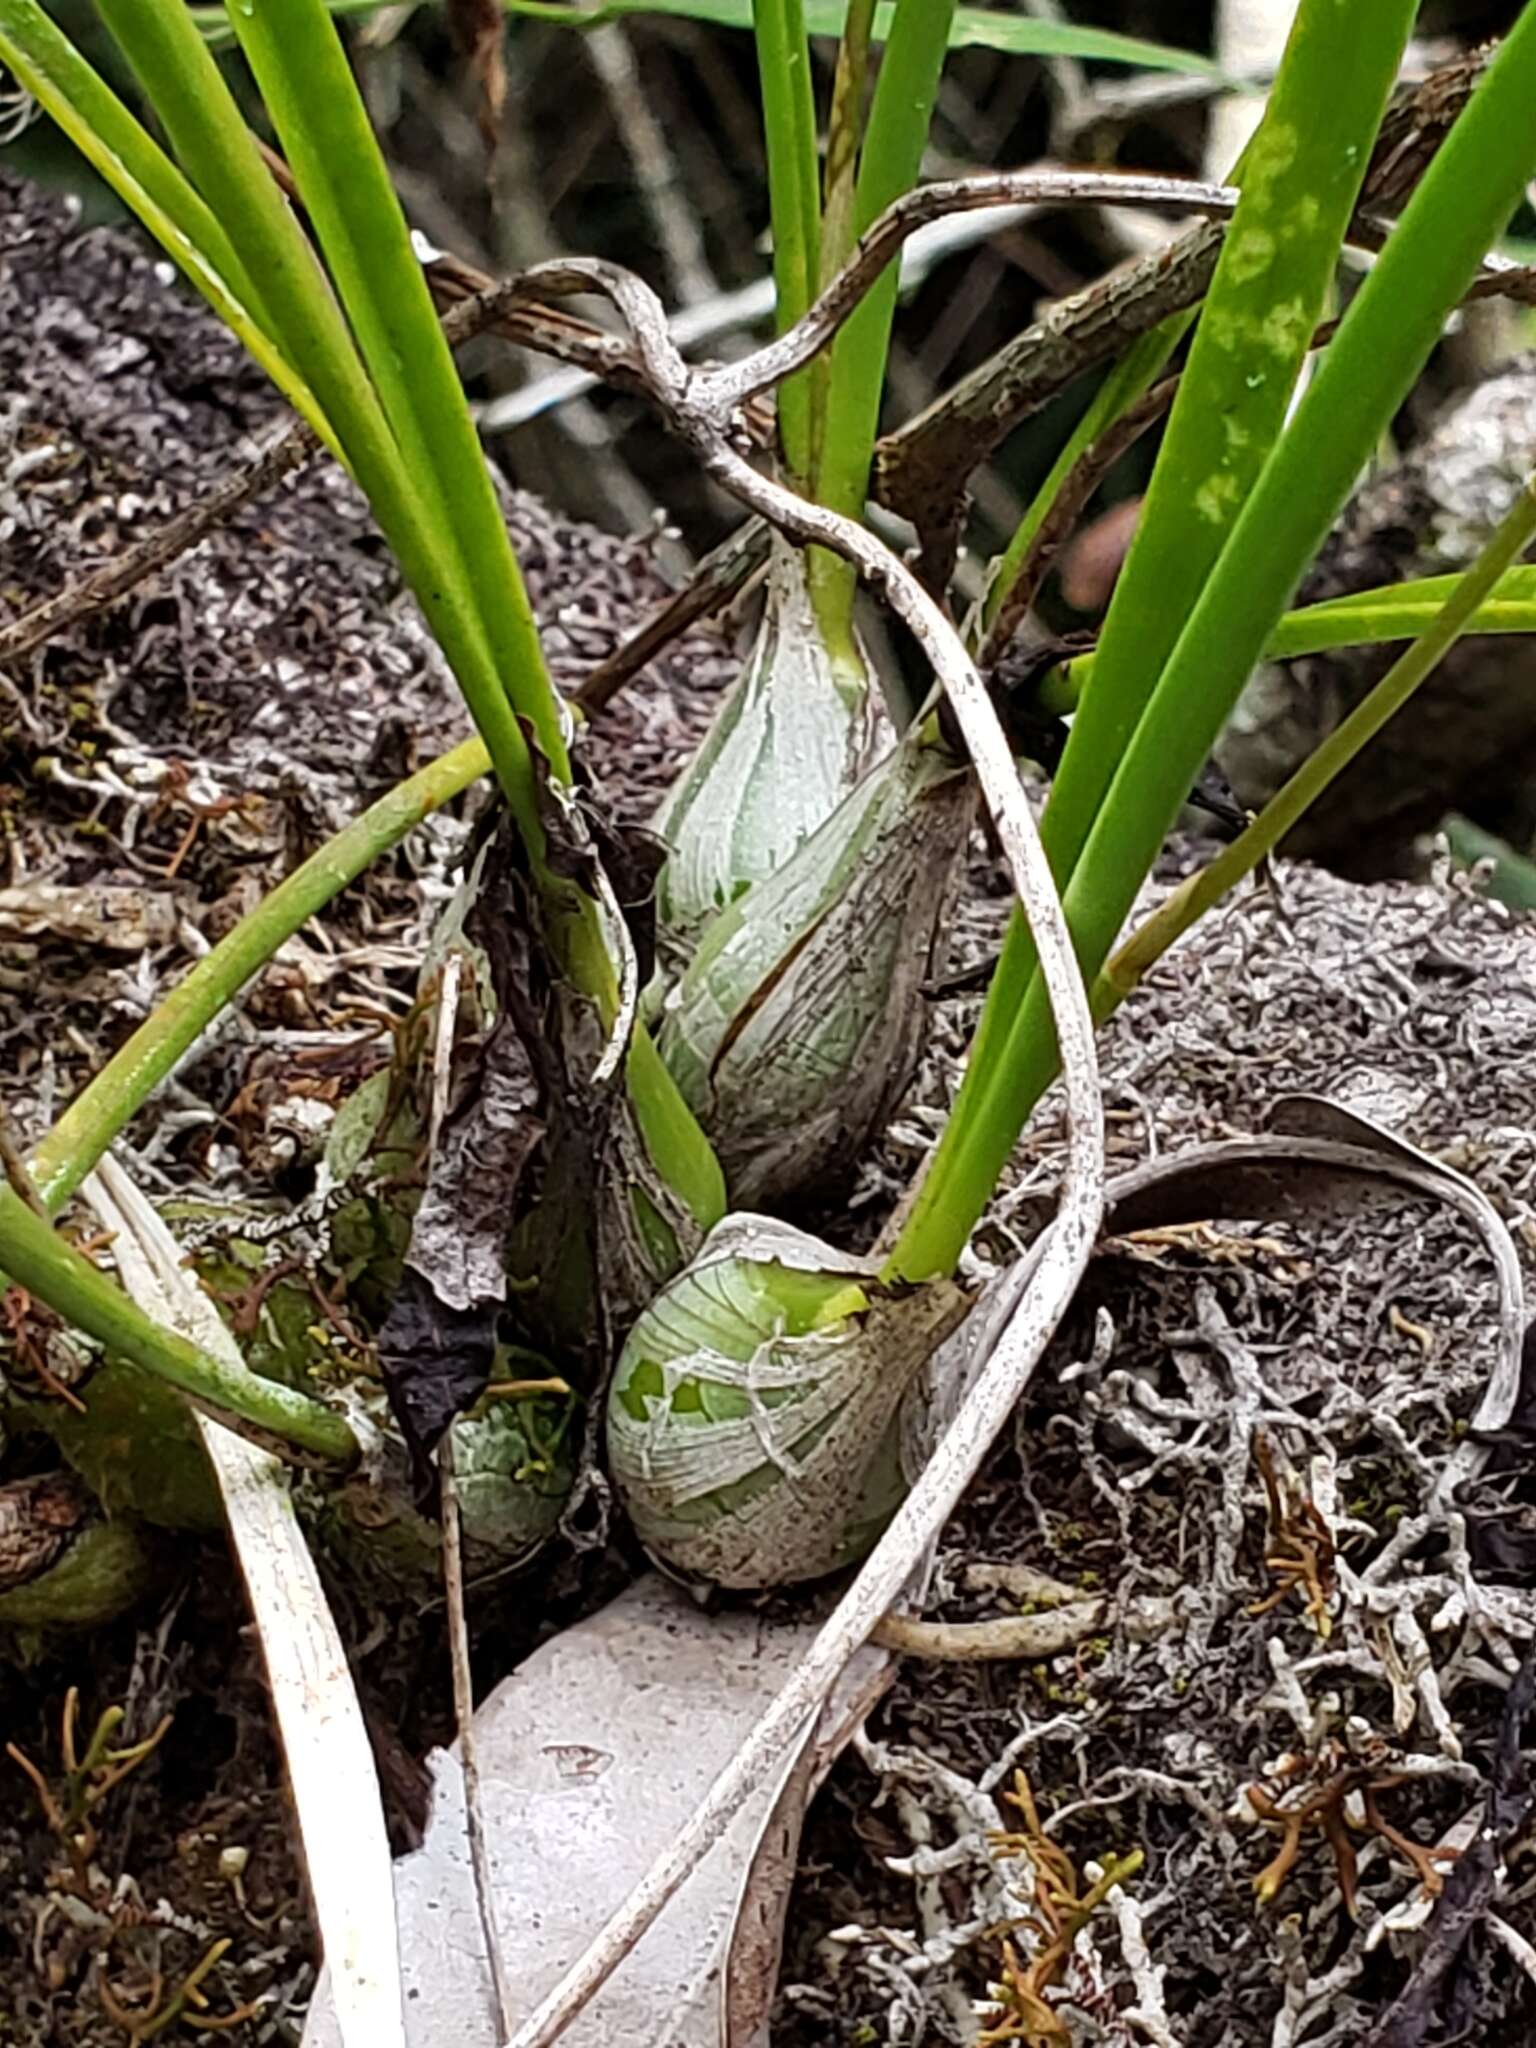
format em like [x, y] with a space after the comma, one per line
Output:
[799, 1020]
[603, 1230]
[644, 1232]
[513, 1455]
[792, 738]
[752, 1416]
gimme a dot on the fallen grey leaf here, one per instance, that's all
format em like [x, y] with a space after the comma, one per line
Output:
[592, 1755]
[1297, 1172]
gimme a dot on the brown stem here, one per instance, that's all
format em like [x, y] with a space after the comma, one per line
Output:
[285, 450]
[1082, 480]
[720, 577]
[922, 470]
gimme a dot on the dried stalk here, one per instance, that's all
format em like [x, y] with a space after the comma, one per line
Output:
[921, 471]
[511, 308]
[701, 406]
[1082, 480]
[325, 1742]
[795, 348]
[287, 449]
[722, 575]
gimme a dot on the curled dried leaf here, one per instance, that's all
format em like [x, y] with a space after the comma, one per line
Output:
[438, 1342]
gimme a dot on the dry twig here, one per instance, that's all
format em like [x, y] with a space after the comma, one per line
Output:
[286, 449]
[453, 1561]
[1062, 1909]
[1019, 1638]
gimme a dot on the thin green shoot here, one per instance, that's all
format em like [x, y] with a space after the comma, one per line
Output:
[789, 125]
[889, 164]
[1364, 618]
[53, 1271]
[66, 1155]
[1129, 379]
[1460, 206]
[845, 133]
[1459, 612]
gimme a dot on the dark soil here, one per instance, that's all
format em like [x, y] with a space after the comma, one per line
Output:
[261, 691]
[194, 1848]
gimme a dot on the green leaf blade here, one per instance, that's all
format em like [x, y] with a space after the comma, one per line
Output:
[973, 27]
[789, 125]
[299, 64]
[219, 156]
[889, 164]
[1400, 611]
[34, 1254]
[1456, 214]
[1116, 794]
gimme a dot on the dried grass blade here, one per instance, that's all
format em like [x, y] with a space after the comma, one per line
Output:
[330, 1761]
[1062, 1256]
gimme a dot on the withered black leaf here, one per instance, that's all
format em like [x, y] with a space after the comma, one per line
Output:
[1502, 1546]
[436, 1360]
[586, 837]
[516, 1179]
[1440, 2001]
[632, 859]
[439, 1340]
[568, 848]
[1514, 1445]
